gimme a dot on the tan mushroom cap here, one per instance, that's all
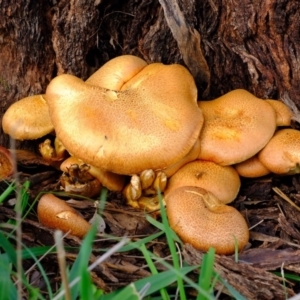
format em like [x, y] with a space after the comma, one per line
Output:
[57, 214]
[27, 119]
[223, 181]
[282, 154]
[112, 181]
[128, 131]
[117, 71]
[284, 114]
[237, 126]
[6, 163]
[251, 168]
[199, 219]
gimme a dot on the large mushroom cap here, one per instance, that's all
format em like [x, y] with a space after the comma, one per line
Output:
[237, 126]
[27, 119]
[151, 125]
[223, 181]
[282, 154]
[201, 220]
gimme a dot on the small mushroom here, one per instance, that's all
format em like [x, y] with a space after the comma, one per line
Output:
[237, 126]
[201, 220]
[149, 118]
[6, 163]
[27, 119]
[112, 181]
[223, 181]
[283, 113]
[251, 168]
[57, 214]
[282, 154]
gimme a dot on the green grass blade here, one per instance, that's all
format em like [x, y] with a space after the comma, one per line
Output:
[137, 244]
[206, 273]
[161, 227]
[234, 293]
[157, 282]
[129, 293]
[172, 247]
[7, 289]
[7, 192]
[151, 265]
[81, 263]
[8, 249]
[86, 285]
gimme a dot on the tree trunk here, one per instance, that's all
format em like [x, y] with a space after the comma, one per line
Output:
[225, 44]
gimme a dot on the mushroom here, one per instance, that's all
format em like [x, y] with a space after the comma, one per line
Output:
[200, 219]
[113, 182]
[149, 117]
[27, 119]
[237, 126]
[283, 113]
[6, 163]
[282, 154]
[57, 214]
[222, 181]
[251, 168]
[117, 71]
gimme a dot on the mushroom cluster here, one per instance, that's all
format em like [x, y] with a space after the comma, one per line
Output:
[140, 129]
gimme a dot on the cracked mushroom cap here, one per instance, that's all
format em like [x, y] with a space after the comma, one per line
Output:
[128, 131]
[27, 119]
[237, 126]
[223, 181]
[282, 154]
[201, 220]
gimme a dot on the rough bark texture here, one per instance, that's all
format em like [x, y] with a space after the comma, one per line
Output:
[245, 44]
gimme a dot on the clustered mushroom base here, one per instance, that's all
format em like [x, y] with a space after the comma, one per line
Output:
[143, 124]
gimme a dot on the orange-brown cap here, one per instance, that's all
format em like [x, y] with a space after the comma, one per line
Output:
[237, 126]
[126, 132]
[201, 220]
[282, 154]
[251, 168]
[27, 119]
[117, 71]
[6, 163]
[223, 181]
[57, 214]
[284, 114]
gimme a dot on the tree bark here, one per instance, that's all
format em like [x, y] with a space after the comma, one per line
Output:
[226, 44]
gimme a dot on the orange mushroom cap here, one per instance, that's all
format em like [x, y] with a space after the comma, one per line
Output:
[27, 119]
[201, 220]
[282, 154]
[236, 127]
[284, 114]
[251, 168]
[223, 181]
[57, 214]
[148, 119]
[117, 71]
